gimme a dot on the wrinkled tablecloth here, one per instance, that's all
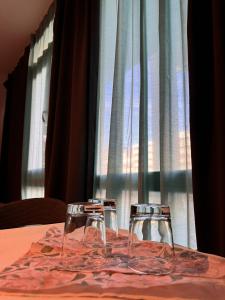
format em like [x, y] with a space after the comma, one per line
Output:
[42, 271]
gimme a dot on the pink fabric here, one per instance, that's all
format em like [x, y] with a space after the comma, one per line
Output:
[42, 271]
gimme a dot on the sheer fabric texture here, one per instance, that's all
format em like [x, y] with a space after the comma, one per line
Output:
[36, 115]
[143, 143]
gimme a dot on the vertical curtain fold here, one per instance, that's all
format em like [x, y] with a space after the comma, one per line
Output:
[73, 93]
[206, 46]
[143, 108]
[165, 85]
[12, 141]
[116, 136]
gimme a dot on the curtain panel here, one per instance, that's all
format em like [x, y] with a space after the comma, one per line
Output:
[206, 44]
[12, 140]
[36, 115]
[72, 107]
[143, 142]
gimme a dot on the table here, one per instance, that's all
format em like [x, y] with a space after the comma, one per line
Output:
[14, 243]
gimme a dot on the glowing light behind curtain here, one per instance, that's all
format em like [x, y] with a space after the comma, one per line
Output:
[37, 112]
[143, 146]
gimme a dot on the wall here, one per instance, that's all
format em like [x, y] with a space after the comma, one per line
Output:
[18, 20]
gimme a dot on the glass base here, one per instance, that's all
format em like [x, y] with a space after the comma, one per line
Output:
[84, 263]
[150, 265]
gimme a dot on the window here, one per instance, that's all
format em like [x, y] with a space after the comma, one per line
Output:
[143, 144]
[36, 115]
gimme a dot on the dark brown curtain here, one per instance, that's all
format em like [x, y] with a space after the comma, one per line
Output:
[72, 108]
[206, 38]
[12, 140]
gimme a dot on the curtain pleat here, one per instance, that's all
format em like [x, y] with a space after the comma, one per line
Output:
[12, 141]
[143, 109]
[73, 93]
[117, 110]
[165, 97]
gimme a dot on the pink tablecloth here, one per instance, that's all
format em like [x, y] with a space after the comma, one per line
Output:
[35, 271]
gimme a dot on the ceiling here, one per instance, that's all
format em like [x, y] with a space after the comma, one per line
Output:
[18, 20]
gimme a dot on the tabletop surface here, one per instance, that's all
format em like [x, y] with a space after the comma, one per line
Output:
[15, 246]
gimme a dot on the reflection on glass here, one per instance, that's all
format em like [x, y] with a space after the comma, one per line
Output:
[151, 247]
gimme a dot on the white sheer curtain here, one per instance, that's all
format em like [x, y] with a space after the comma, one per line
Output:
[143, 144]
[36, 114]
